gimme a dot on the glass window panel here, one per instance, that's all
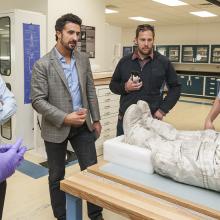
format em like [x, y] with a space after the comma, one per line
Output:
[5, 48]
[6, 128]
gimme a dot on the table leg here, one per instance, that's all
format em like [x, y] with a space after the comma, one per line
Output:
[74, 207]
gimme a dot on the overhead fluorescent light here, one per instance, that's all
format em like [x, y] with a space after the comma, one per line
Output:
[141, 19]
[204, 14]
[110, 11]
[171, 2]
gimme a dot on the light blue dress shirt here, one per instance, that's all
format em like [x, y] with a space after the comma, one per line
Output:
[7, 102]
[71, 75]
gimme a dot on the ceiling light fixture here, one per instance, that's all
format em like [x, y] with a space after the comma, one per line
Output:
[203, 14]
[171, 2]
[141, 19]
[110, 11]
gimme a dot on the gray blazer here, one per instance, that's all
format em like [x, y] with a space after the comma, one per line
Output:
[51, 96]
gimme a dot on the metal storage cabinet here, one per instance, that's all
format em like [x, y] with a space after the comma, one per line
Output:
[170, 51]
[196, 85]
[183, 79]
[215, 54]
[109, 106]
[195, 53]
[211, 86]
[191, 84]
[174, 53]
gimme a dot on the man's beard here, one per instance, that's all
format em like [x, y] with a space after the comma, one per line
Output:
[145, 53]
[66, 46]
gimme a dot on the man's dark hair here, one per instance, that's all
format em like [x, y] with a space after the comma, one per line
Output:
[144, 27]
[67, 18]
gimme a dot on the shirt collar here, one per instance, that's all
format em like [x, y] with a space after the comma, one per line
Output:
[60, 56]
[136, 55]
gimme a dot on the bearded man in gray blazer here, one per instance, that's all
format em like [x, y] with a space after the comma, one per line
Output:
[63, 91]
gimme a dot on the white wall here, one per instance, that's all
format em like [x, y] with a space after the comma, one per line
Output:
[180, 34]
[92, 14]
[32, 5]
[111, 44]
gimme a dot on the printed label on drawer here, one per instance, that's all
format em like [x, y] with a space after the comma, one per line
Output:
[110, 120]
[108, 111]
[110, 98]
[104, 92]
[111, 104]
[105, 114]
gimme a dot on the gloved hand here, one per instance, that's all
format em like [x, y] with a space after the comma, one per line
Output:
[5, 147]
[10, 159]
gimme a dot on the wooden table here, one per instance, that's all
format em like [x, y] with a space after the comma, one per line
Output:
[128, 198]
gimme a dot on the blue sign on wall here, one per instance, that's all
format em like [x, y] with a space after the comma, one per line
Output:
[31, 40]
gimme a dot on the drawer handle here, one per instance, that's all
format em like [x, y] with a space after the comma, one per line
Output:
[106, 136]
[212, 83]
[107, 113]
[107, 106]
[106, 123]
[107, 100]
[211, 88]
[211, 93]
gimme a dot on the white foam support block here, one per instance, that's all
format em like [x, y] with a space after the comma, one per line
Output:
[131, 156]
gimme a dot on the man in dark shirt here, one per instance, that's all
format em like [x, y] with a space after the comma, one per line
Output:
[154, 70]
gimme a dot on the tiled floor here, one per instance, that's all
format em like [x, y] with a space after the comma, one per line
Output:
[28, 198]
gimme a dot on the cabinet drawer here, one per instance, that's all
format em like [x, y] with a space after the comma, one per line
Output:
[109, 120]
[109, 129]
[210, 94]
[210, 91]
[106, 112]
[103, 92]
[113, 105]
[109, 98]
[109, 135]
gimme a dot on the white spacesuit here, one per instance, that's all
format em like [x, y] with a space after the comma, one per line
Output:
[191, 157]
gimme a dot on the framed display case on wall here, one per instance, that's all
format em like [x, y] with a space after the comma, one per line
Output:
[195, 53]
[170, 51]
[127, 50]
[215, 54]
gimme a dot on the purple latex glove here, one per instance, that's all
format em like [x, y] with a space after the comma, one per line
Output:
[5, 147]
[10, 159]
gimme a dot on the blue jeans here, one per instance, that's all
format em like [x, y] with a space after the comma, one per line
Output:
[83, 144]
